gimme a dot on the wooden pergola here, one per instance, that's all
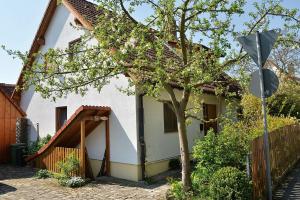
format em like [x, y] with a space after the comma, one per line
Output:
[83, 147]
[74, 132]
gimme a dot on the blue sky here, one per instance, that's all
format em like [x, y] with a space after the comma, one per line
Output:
[19, 22]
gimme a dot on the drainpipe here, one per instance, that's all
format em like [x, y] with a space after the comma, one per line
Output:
[141, 133]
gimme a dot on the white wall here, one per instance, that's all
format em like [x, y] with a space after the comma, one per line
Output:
[161, 145]
[123, 129]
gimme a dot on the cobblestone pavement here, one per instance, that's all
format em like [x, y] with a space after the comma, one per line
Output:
[19, 184]
[290, 187]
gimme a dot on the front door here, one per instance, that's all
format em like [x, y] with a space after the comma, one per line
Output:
[210, 117]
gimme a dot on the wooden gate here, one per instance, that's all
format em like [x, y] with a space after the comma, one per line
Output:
[284, 153]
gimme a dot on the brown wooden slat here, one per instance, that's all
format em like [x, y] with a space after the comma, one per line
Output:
[284, 153]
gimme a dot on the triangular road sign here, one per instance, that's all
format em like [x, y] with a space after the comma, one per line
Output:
[267, 41]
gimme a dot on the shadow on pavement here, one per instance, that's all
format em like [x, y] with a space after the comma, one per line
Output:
[6, 189]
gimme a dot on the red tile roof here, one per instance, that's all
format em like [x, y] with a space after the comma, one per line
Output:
[82, 112]
[87, 13]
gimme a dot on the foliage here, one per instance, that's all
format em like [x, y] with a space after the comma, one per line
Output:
[174, 164]
[68, 166]
[251, 107]
[35, 146]
[43, 174]
[177, 192]
[141, 51]
[273, 124]
[252, 124]
[230, 183]
[75, 182]
[286, 100]
[61, 178]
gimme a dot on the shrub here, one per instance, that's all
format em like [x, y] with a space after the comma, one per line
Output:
[35, 146]
[228, 148]
[251, 107]
[273, 124]
[174, 164]
[215, 151]
[75, 182]
[43, 174]
[68, 166]
[230, 183]
[176, 191]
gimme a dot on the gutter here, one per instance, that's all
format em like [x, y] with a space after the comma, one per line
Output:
[141, 133]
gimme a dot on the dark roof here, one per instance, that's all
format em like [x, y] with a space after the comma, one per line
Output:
[87, 14]
[86, 9]
[7, 88]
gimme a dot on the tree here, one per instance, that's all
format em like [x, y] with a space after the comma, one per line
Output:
[164, 51]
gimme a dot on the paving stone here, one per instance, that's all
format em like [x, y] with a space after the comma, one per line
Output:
[20, 183]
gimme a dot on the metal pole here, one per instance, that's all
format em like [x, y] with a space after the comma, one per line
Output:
[264, 112]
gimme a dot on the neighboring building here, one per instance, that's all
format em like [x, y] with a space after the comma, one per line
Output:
[9, 112]
[127, 131]
[270, 64]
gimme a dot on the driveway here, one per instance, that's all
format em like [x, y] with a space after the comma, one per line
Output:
[19, 183]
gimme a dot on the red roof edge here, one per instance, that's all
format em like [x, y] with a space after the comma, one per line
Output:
[61, 130]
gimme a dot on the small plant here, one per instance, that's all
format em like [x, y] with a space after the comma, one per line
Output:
[230, 183]
[176, 191]
[75, 181]
[69, 166]
[174, 164]
[43, 174]
[35, 146]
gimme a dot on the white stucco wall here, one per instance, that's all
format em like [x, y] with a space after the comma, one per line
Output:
[123, 131]
[160, 145]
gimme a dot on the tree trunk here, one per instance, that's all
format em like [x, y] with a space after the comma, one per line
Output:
[184, 151]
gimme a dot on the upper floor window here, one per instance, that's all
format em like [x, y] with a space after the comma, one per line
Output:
[73, 46]
[61, 116]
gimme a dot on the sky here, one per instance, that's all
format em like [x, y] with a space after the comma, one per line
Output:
[19, 21]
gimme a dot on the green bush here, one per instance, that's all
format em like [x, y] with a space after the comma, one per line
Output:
[230, 183]
[176, 191]
[215, 151]
[273, 124]
[228, 148]
[286, 101]
[43, 174]
[68, 166]
[34, 147]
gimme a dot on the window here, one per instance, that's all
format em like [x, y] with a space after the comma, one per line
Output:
[210, 116]
[61, 117]
[170, 120]
[73, 46]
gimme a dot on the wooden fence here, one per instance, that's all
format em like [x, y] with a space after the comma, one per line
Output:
[284, 153]
[50, 159]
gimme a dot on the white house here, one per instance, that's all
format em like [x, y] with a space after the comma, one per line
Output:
[133, 120]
